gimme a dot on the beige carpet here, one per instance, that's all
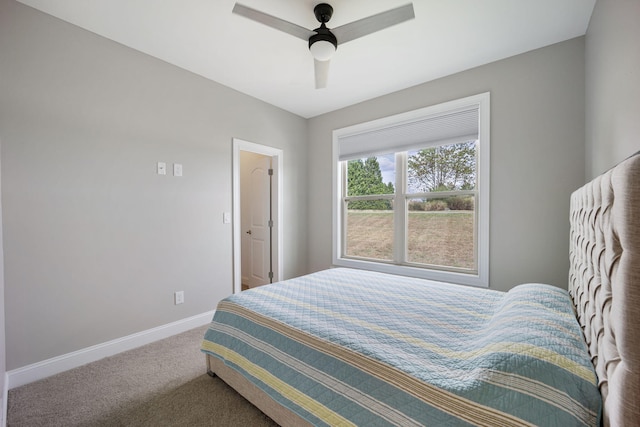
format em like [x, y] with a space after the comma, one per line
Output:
[161, 384]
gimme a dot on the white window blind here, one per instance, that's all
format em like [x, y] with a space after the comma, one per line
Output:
[449, 128]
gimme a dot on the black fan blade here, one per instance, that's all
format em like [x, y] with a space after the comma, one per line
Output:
[273, 22]
[362, 27]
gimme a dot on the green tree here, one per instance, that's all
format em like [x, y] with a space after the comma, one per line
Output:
[443, 168]
[364, 177]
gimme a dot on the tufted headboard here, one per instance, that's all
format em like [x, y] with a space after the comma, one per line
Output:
[604, 282]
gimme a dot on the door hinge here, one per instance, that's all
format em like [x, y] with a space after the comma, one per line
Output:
[271, 275]
[270, 223]
[270, 171]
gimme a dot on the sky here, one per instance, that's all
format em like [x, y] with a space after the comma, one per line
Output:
[388, 168]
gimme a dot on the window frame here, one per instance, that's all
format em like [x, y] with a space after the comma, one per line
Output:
[481, 276]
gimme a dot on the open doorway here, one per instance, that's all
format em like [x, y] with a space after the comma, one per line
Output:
[257, 214]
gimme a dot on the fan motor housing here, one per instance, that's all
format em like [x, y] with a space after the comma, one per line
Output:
[323, 12]
[323, 34]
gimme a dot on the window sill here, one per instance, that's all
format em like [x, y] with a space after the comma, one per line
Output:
[423, 273]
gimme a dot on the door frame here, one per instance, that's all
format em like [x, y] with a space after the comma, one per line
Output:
[277, 164]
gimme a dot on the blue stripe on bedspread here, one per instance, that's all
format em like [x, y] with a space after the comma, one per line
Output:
[347, 346]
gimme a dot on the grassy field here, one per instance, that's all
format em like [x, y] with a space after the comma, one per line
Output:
[436, 238]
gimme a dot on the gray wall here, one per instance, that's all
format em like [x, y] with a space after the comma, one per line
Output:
[95, 242]
[3, 352]
[537, 157]
[612, 84]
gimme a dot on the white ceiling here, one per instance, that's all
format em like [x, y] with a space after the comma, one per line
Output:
[447, 36]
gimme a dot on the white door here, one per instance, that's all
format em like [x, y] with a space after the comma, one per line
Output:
[255, 212]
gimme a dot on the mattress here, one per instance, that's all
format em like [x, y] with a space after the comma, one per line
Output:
[351, 347]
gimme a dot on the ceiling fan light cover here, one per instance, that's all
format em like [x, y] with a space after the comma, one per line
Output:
[322, 50]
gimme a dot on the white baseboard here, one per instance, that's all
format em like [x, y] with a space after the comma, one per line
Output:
[55, 365]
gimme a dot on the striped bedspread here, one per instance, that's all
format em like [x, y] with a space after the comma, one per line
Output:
[350, 347]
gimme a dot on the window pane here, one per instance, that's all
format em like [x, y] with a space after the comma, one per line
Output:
[440, 232]
[442, 168]
[374, 175]
[370, 229]
[436, 176]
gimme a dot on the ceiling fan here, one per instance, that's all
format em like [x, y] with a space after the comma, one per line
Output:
[323, 41]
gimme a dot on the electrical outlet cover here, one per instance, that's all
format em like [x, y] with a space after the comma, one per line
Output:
[179, 297]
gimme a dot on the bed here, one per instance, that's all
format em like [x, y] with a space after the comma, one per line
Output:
[353, 347]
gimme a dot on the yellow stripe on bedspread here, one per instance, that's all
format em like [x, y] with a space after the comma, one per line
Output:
[278, 385]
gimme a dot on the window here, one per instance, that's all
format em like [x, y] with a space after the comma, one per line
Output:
[411, 193]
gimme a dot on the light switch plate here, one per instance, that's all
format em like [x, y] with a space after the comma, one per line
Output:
[162, 168]
[177, 169]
